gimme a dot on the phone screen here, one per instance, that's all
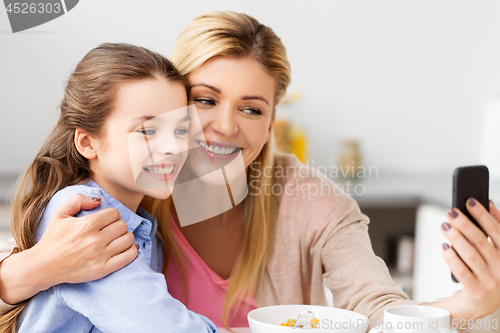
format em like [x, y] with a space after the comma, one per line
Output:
[470, 182]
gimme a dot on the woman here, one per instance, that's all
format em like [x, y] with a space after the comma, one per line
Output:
[275, 247]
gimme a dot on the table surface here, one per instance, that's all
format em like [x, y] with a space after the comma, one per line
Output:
[236, 329]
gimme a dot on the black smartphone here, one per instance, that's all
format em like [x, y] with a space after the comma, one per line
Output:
[470, 181]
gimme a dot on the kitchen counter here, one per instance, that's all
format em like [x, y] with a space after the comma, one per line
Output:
[394, 189]
[400, 190]
[388, 189]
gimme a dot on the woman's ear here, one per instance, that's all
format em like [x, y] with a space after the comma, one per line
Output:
[85, 144]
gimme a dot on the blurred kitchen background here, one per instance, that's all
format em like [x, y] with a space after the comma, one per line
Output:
[410, 88]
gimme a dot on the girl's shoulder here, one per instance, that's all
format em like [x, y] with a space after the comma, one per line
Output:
[61, 197]
[69, 191]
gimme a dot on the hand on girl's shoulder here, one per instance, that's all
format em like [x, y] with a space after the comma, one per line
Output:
[64, 195]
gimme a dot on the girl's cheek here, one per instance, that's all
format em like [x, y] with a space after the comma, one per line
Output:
[185, 144]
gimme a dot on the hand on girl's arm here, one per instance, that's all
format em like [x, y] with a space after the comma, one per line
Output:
[481, 293]
[72, 250]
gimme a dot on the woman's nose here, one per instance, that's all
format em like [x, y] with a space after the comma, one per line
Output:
[225, 122]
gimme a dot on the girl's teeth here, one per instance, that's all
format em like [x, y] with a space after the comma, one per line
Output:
[160, 170]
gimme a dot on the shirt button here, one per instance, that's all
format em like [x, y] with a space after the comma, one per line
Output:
[143, 245]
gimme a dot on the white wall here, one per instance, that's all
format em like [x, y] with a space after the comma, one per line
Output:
[408, 78]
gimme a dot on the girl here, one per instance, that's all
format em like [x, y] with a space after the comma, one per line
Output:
[122, 134]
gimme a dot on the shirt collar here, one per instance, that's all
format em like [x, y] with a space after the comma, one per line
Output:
[133, 220]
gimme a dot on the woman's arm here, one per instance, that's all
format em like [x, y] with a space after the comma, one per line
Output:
[72, 250]
[481, 293]
[359, 280]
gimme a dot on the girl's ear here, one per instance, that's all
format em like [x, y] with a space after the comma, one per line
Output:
[85, 144]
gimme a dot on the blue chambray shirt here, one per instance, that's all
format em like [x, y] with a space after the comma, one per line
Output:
[132, 299]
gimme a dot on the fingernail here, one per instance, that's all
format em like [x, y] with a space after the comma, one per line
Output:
[471, 202]
[452, 213]
[96, 199]
[491, 202]
[137, 246]
[445, 246]
[446, 226]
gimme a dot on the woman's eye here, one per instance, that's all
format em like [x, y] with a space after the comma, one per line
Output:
[251, 111]
[204, 101]
[181, 131]
[147, 131]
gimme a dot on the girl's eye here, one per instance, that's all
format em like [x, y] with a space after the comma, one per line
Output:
[148, 131]
[204, 101]
[181, 131]
[251, 111]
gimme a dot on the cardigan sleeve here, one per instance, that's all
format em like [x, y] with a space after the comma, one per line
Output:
[359, 280]
[7, 249]
[322, 239]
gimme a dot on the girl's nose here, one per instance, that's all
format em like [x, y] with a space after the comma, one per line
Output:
[170, 146]
[225, 123]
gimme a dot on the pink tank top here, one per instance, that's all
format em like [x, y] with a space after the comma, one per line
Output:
[206, 289]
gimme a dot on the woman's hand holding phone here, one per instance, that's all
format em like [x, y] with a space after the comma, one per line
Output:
[472, 249]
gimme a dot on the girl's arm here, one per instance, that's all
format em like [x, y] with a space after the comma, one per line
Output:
[133, 299]
[72, 250]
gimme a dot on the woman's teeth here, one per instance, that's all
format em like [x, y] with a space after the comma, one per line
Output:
[160, 170]
[217, 150]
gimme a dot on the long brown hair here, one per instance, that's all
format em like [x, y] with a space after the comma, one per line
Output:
[88, 101]
[232, 34]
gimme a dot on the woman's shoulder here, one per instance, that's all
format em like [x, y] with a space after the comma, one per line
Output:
[309, 198]
[299, 181]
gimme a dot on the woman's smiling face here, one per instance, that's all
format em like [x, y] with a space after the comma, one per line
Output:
[234, 98]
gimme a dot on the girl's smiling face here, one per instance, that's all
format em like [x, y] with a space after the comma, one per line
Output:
[145, 141]
[234, 98]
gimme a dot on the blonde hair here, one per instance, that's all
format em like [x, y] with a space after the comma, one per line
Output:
[239, 35]
[88, 100]
[234, 35]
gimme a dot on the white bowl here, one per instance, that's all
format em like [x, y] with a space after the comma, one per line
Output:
[331, 320]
